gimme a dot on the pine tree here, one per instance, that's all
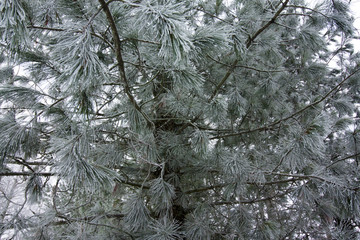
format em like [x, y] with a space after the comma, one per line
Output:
[167, 119]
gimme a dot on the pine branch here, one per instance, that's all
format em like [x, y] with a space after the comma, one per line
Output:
[120, 61]
[87, 220]
[312, 177]
[343, 159]
[132, 184]
[198, 190]
[206, 188]
[75, 31]
[271, 125]
[23, 163]
[250, 67]
[223, 80]
[140, 40]
[272, 20]
[90, 220]
[248, 44]
[46, 28]
[234, 64]
[252, 201]
[282, 159]
[201, 9]
[48, 174]
[307, 8]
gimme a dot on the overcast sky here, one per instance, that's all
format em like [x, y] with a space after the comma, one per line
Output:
[355, 8]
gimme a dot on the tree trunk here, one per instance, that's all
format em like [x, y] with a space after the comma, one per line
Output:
[165, 123]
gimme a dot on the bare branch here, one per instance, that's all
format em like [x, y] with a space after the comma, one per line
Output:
[41, 174]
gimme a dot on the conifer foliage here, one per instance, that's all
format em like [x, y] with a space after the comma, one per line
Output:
[168, 119]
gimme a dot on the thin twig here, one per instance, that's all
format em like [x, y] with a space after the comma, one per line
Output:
[343, 159]
[248, 67]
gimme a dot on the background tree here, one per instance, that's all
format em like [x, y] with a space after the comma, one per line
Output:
[202, 119]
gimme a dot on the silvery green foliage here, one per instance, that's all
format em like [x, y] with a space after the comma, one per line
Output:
[137, 216]
[167, 119]
[13, 24]
[163, 230]
[162, 195]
